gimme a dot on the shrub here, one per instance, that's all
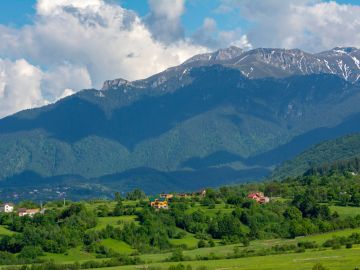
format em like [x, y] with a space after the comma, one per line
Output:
[177, 267]
[201, 243]
[319, 266]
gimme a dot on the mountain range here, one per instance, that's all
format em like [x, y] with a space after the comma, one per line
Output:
[219, 118]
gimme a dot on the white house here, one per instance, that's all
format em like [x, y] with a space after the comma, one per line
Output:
[27, 212]
[7, 208]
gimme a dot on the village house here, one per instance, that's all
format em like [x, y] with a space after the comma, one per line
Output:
[27, 212]
[259, 197]
[167, 196]
[7, 208]
[159, 203]
[183, 195]
[201, 193]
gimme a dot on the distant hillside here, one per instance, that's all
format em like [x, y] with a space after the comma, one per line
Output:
[346, 166]
[322, 157]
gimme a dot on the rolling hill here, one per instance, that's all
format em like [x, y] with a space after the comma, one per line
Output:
[328, 152]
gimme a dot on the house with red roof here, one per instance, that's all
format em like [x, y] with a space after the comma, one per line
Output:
[259, 197]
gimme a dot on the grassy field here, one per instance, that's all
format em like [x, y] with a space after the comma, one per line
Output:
[72, 255]
[118, 246]
[5, 231]
[332, 259]
[189, 241]
[224, 250]
[114, 221]
[321, 238]
[346, 210]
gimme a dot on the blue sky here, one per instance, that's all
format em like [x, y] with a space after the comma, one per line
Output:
[19, 12]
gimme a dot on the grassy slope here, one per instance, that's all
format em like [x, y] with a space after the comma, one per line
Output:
[118, 246]
[189, 241]
[5, 231]
[346, 210]
[114, 221]
[256, 245]
[72, 255]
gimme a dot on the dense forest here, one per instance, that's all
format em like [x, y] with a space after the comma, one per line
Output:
[334, 151]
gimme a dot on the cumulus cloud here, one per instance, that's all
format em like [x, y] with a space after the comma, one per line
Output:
[210, 36]
[307, 24]
[164, 20]
[63, 80]
[76, 44]
[23, 85]
[19, 86]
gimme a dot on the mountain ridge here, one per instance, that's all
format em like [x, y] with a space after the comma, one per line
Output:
[341, 61]
[210, 117]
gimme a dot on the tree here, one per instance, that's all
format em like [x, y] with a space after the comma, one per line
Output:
[177, 255]
[201, 243]
[344, 199]
[355, 199]
[103, 210]
[293, 213]
[118, 197]
[30, 252]
[136, 194]
[119, 209]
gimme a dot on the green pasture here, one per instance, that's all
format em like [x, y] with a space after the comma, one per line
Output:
[321, 238]
[114, 221]
[118, 246]
[224, 250]
[346, 210]
[332, 259]
[189, 241]
[5, 231]
[72, 255]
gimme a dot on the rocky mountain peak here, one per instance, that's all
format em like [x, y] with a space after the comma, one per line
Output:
[217, 56]
[257, 63]
[114, 84]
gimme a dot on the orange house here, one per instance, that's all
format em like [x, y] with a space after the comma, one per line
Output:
[159, 203]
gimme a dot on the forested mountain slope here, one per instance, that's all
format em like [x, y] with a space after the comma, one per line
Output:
[189, 124]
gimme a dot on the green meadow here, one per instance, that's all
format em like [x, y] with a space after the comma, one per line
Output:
[114, 221]
[331, 259]
[5, 231]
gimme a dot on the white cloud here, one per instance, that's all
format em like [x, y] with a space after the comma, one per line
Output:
[57, 81]
[76, 44]
[23, 85]
[210, 36]
[307, 24]
[19, 86]
[53, 7]
[164, 19]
